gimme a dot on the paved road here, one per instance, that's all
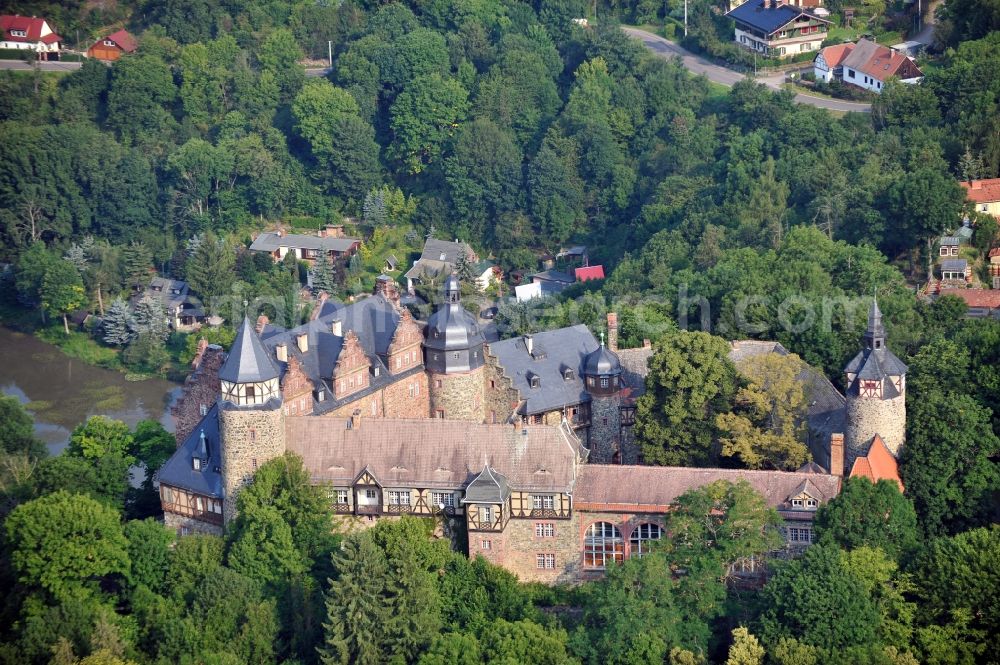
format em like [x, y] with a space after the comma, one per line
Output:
[317, 71]
[21, 65]
[698, 65]
[926, 35]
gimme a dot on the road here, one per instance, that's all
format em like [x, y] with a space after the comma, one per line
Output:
[21, 65]
[926, 35]
[727, 77]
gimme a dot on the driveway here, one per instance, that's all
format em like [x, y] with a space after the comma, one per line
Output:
[727, 77]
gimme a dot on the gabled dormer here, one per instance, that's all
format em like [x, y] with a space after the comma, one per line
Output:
[406, 347]
[367, 493]
[805, 497]
[351, 373]
[487, 501]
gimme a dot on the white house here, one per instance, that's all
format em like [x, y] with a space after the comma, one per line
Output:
[778, 28]
[870, 66]
[829, 62]
[29, 33]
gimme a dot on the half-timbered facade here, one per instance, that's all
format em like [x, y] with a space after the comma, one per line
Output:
[777, 29]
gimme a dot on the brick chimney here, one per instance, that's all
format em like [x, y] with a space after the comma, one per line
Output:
[613, 331]
[837, 454]
[262, 322]
[386, 287]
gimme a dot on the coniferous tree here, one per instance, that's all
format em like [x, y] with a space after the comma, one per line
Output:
[322, 275]
[359, 606]
[210, 269]
[150, 319]
[137, 261]
[118, 324]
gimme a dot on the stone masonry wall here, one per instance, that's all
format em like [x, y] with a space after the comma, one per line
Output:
[500, 396]
[868, 416]
[605, 428]
[460, 396]
[249, 438]
[296, 390]
[200, 391]
[399, 402]
[179, 523]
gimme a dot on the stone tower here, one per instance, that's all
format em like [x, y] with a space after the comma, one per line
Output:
[602, 372]
[453, 356]
[251, 420]
[876, 394]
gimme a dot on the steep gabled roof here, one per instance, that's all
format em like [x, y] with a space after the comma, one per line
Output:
[248, 360]
[880, 62]
[490, 486]
[878, 464]
[768, 19]
[834, 55]
[124, 40]
[35, 29]
[178, 471]
[982, 191]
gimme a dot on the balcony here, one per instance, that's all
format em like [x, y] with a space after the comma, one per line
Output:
[392, 509]
[342, 508]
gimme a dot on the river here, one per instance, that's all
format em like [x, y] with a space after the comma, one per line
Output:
[61, 392]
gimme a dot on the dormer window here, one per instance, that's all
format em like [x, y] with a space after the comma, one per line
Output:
[535, 381]
[604, 382]
[811, 503]
[196, 464]
[108, 42]
[568, 374]
[796, 503]
[18, 33]
[442, 257]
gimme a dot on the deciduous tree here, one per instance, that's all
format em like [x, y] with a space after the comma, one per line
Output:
[867, 514]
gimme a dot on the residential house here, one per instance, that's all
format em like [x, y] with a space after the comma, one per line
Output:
[982, 303]
[588, 273]
[29, 33]
[948, 246]
[829, 62]
[440, 258]
[113, 46]
[184, 311]
[984, 194]
[545, 283]
[956, 270]
[305, 247]
[391, 264]
[870, 66]
[778, 29]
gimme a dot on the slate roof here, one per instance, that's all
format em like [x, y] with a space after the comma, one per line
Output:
[659, 486]
[452, 327]
[178, 471]
[270, 241]
[949, 240]
[602, 362]
[248, 361]
[555, 276]
[373, 319]
[954, 265]
[437, 258]
[431, 453]
[768, 19]
[982, 191]
[635, 368]
[163, 288]
[490, 486]
[553, 351]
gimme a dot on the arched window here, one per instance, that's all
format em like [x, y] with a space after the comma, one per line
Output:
[643, 537]
[602, 544]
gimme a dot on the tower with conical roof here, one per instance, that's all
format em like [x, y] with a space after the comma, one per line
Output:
[876, 394]
[602, 371]
[251, 420]
[453, 356]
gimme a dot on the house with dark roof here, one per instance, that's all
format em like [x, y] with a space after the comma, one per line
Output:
[29, 33]
[183, 308]
[305, 247]
[778, 29]
[113, 46]
[870, 66]
[955, 270]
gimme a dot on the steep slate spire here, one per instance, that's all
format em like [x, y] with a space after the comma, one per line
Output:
[875, 334]
[248, 361]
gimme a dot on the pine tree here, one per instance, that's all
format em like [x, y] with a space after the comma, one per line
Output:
[416, 605]
[322, 275]
[464, 269]
[137, 260]
[151, 319]
[77, 255]
[359, 606]
[210, 269]
[118, 324]
[374, 210]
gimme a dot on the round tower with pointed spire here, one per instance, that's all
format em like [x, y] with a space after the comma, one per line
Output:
[876, 394]
[251, 419]
[602, 371]
[453, 356]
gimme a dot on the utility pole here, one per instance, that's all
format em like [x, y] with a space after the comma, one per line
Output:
[329, 50]
[685, 18]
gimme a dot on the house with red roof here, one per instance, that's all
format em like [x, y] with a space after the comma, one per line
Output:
[587, 273]
[878, 464]
[113, 46]
[870, 66]
[29, 33]
[984, 194]
[981, 302]
[829, 62]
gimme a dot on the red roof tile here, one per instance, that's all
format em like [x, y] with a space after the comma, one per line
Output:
[32, 26]
[878, 464]
[834, 55]
[589, 272]
[880, 62]
[989, 298]
[125, 40]
[982, 191]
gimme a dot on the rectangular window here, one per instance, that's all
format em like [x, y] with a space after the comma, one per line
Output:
[249, 393]
[253, 435]
[796, 503]
[486, 545]
[543, 501]
[446, 499]
[399, 497]
[168, 494]
[341, 497]
[216, 507]
[544, 530]
[536, 419]
[199, 504]
[371, 494]
[253, 463]
[440, 414]
[850, 73]
[437, 383]
[487, 513]
[493, 384]
[545, 561]
[203, 408]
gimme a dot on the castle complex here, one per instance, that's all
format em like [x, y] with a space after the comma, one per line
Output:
[526, 442]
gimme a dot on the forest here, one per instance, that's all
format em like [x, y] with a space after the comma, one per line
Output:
[509, 126]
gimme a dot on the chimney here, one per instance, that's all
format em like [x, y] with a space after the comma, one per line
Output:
[262, 322]
[529, 343]
[613, 331]
[302, 341]
[837, 454]
[282, 352]
[337, 327]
